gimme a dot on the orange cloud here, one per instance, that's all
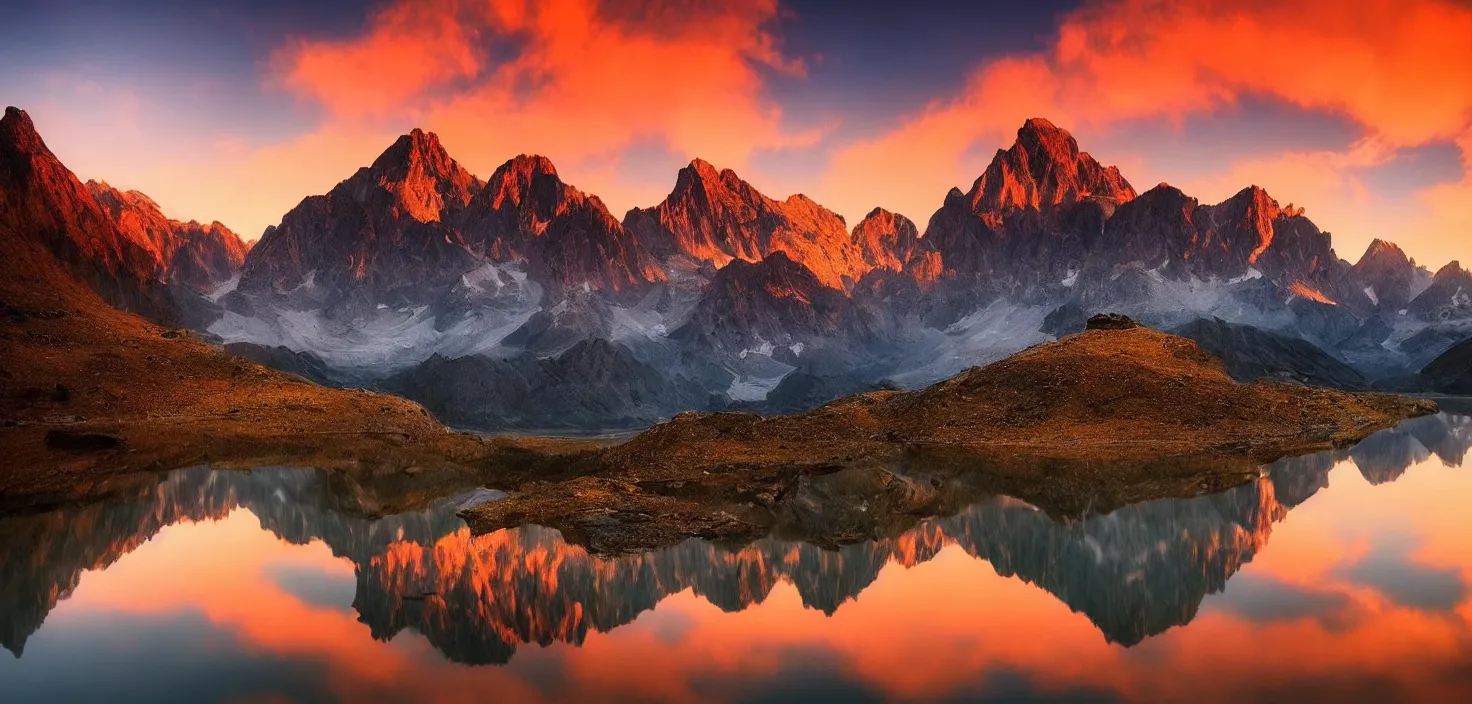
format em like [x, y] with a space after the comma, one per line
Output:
[1401, 70]
[576, 80]
[412, 46]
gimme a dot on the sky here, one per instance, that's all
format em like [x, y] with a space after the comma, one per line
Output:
[235, 110]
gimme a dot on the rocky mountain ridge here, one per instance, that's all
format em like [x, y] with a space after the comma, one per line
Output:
[197, 256]
[414, 258]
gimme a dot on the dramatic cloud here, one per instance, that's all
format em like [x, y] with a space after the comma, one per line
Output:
[621, 93]
[1401, 70]
[576, 80]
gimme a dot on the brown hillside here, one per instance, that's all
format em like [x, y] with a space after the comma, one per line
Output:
[1093, 421]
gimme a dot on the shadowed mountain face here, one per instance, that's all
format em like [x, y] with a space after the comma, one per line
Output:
[1250, 354]
[595, 385]
[1134, 572]
[1448, 297]
[1392, 279]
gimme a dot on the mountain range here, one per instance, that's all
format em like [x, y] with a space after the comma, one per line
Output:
[519, 300]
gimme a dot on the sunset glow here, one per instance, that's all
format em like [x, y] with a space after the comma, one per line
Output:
[1359, 112]
[930, 628]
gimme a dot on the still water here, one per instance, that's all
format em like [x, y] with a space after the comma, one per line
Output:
[1340, 576]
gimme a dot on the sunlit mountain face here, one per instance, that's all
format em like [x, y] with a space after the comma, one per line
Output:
[305, 580]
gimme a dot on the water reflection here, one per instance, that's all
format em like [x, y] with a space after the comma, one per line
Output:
[1134, 573]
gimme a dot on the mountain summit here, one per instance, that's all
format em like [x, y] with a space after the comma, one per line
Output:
[568, 238]
[1044, 168]
[714, 217]
[411, 227]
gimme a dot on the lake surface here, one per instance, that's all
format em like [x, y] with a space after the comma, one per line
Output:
[1339, 576]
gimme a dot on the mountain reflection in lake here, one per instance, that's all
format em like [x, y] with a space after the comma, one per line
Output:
[217, 585]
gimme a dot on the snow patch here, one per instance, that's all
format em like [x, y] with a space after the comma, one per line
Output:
[751, 388]
[224, 288]
[764, 349]
[1251, 274]
[379, 342]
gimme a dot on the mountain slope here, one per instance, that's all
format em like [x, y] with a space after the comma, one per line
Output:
[714, 217]
[1450, 373]
[1390, 277]
[1251, 354]
[776, 301]
[594, 385]
[49, 218]
[77, 372]
[376, 237]
[1449, 297]
[196, 256]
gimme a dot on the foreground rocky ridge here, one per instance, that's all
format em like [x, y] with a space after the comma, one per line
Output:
[1094, 420]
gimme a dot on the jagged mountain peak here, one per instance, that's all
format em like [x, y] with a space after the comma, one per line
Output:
[887, 239]
[534, 164]
[1453, 269]
[1380, 249]
[419, 175]
[1390, 277]
[528, 181]
[416, 147]
[1254, 196]
[1164, 192]
[17, 129]
[715, 217]
[717, 184]
[1044, 168]
[1039, 136]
